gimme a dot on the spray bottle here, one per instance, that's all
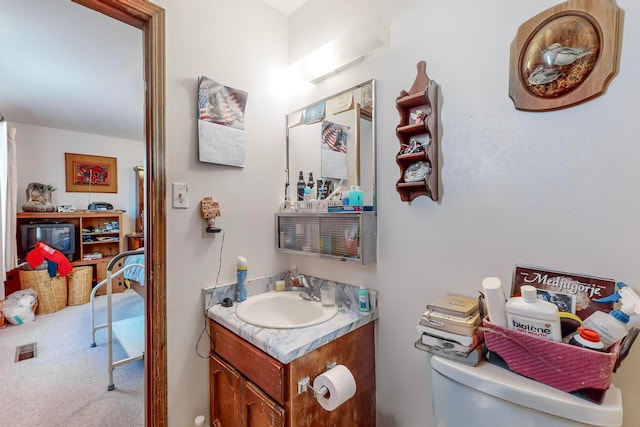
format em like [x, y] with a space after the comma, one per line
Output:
[612, 326]
[241, 282]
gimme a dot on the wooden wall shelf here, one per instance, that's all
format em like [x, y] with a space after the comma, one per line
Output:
[422, 97]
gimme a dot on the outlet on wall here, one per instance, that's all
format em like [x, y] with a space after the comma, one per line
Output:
[205, 233]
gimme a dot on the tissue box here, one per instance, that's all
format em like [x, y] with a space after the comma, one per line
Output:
[563, 366]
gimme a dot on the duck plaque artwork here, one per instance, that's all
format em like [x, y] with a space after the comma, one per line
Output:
[565, 55]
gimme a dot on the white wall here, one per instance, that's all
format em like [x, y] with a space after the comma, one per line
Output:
[239, 43]
[555, 189]
[40, 156]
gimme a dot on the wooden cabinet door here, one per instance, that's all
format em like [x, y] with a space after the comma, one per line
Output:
[258, 409]
[224, 393]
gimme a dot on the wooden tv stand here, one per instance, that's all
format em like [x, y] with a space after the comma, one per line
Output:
[106, 237]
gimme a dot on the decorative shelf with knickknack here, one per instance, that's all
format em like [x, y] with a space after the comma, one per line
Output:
[417, 133]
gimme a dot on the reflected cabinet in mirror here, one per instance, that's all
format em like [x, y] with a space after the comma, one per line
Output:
[331, 150]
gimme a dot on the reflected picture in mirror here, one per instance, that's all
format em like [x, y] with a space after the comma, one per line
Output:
[334, 143]
[334, 140]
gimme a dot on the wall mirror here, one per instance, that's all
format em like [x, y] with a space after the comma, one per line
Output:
[333, 141]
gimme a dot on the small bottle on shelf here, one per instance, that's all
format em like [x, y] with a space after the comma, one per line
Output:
[310, 183]
[355, 196]
[363, 299]
[300, 186]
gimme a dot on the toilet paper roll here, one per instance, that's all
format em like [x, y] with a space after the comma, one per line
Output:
[341, 385]
[494, 298]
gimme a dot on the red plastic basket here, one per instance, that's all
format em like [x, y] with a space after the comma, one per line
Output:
[563, 366]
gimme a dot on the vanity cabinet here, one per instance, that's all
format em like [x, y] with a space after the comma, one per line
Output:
[238, 402]
[344, 236]
[417, 133]
[250, 388]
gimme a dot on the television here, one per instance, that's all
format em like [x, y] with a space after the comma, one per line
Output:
[58, 235]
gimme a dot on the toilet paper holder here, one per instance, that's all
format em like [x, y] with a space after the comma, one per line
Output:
[304, 385]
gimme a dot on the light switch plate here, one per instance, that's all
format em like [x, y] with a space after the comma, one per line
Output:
[180, 196]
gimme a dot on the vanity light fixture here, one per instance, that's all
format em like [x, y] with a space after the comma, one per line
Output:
[340, 53]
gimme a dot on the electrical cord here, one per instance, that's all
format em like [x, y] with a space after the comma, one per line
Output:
[210, 303]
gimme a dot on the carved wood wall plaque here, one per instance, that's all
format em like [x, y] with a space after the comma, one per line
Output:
[565, 55]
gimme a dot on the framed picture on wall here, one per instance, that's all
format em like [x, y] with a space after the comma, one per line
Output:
[90, 174]
[565, 55]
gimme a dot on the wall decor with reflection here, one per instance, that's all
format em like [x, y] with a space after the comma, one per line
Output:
[565, 55]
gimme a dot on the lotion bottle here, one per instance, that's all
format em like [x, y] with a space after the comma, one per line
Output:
[363, 299]
[532, 316]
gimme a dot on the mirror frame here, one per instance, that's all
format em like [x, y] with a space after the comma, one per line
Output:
[363, 115]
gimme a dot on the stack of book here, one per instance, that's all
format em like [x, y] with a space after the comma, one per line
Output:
[449, 328]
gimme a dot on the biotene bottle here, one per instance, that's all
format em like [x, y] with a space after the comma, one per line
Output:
[533, 316]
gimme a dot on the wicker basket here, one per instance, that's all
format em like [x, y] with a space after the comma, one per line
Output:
[79, 285]
[563, 366]
[52, 291]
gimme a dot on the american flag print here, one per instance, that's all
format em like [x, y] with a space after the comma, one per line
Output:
[202, 104]
[334, 136]
[221, 104]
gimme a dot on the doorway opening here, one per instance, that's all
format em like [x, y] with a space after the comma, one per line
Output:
[150, 19]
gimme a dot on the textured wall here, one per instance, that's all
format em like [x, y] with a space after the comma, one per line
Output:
[555, 189]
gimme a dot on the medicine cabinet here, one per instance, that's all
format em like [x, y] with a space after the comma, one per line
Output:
[332, 142]
[418, 136]
[340, 236]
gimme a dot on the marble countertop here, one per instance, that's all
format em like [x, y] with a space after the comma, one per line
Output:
[286, 345]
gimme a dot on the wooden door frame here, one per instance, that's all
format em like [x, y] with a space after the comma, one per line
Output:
[150, 19]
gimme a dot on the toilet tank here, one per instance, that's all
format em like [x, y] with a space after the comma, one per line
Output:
[492, 396]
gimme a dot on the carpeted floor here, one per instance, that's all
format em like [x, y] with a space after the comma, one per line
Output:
[66, 384]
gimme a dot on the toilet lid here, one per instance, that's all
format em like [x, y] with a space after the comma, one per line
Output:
[514, 388]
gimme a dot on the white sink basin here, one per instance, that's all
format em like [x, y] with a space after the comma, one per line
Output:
[283, 310]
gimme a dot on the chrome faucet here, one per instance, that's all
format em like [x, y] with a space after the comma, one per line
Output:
[299, 283]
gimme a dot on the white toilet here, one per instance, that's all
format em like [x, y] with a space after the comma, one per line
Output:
[491, 396]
